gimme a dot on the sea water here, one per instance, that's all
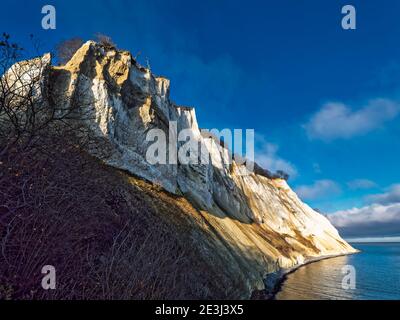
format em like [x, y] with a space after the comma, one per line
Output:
[377, 276]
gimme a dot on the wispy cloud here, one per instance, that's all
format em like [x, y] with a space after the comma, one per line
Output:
[392, 195]
[319, 189]
[337, 120]
[361, 184]
[317, 168]
[266, 155]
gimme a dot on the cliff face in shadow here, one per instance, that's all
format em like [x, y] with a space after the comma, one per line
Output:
[240, 224]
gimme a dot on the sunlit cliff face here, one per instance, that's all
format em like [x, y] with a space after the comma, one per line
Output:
[251, 218]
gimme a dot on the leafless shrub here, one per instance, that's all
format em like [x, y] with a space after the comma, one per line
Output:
[105, 40]
[31, 112]
[66, 49]
[279, 174]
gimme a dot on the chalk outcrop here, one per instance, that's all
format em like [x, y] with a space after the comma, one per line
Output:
[250, 215]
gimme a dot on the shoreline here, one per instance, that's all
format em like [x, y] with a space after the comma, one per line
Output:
[283, 273]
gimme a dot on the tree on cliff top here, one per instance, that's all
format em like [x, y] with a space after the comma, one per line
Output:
[105, 40]
[280, 174]
[66, 49]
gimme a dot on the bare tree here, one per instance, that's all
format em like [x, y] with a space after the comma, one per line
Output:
[32, 111]
[105, 40]
[66, 49]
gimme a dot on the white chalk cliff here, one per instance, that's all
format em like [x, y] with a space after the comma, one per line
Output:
[251, 215]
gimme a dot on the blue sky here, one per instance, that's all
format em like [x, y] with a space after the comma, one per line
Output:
[323, 100]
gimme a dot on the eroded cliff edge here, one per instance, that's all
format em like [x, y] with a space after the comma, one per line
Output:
[247, 224]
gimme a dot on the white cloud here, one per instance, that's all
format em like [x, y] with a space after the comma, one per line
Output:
[267, 157]
[361, 184]
[320, 189]
[372, 220]
[375, 213]
[392, 195]
[337, 120]
[380, 218]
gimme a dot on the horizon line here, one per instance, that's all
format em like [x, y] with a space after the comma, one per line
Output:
[373, 239]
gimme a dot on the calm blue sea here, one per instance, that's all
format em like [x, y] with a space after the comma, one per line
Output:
[377, 276]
